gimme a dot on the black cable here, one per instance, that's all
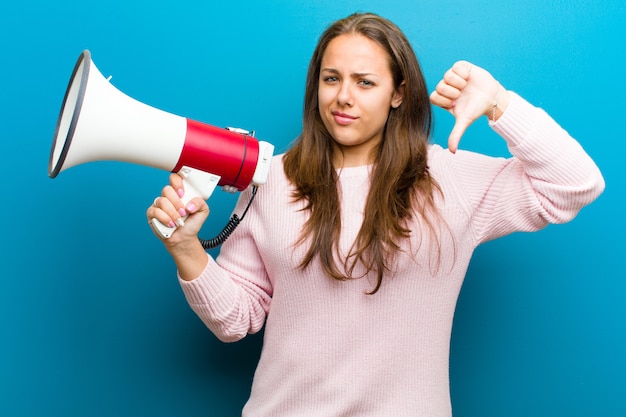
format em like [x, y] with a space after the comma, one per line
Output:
[230, 226]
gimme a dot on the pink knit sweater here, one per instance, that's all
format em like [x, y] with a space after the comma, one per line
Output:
[330, 349]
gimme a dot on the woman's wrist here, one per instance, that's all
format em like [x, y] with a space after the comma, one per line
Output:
[190, 259]
[500, 103]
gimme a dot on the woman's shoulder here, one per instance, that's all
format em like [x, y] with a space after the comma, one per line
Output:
[276, 178]
[462, 169]
[277, 168]
[439, 156]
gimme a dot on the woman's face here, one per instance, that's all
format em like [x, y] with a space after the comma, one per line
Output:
[356, 93]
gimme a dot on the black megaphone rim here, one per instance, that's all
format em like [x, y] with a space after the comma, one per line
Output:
[54, 169]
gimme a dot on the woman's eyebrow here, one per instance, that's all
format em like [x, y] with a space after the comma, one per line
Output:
[354, 74]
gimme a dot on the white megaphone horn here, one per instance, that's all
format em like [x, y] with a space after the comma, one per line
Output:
[97, 122]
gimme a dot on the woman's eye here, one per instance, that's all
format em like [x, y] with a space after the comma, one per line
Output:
[366, 83]
[330, 79]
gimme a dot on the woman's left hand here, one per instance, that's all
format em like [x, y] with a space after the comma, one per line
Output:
[469, 92]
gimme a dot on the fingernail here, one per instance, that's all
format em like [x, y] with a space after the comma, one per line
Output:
[191, 207]
[180, 192]
[180, 222]
[171, 224]
[182, 212]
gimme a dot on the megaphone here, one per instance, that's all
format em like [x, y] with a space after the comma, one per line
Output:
[97, 122]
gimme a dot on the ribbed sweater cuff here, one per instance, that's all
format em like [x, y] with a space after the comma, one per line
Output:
[211, 287]
[516, 121]
[532, 135]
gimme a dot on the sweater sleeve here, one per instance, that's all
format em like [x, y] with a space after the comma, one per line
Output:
[232, 298]
[548, 179]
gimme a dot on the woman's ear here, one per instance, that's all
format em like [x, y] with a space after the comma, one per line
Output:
[398, 95]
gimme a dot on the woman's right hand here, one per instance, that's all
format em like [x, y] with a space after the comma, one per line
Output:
[170, 210]
[469, 92]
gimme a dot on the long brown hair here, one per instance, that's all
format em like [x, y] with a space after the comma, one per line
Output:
[401, 185]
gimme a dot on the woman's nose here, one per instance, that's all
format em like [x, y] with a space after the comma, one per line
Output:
[344, 95]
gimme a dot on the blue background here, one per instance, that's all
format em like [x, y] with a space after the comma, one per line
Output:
[93, 322]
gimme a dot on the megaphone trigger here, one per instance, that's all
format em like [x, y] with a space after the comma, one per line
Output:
[196, 184]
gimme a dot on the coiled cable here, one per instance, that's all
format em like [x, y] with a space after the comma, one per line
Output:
[230, 226]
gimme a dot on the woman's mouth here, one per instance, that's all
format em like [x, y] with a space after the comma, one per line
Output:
[343, 118]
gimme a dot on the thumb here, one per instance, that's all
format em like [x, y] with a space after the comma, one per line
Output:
[457, 132]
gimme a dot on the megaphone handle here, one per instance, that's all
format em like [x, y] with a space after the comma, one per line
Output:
[197, 184]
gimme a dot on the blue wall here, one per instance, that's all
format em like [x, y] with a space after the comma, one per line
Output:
[93, 322]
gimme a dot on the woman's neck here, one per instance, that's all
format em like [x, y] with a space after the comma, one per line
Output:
[344, 158]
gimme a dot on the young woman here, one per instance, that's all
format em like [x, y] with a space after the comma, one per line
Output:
[354, 251]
